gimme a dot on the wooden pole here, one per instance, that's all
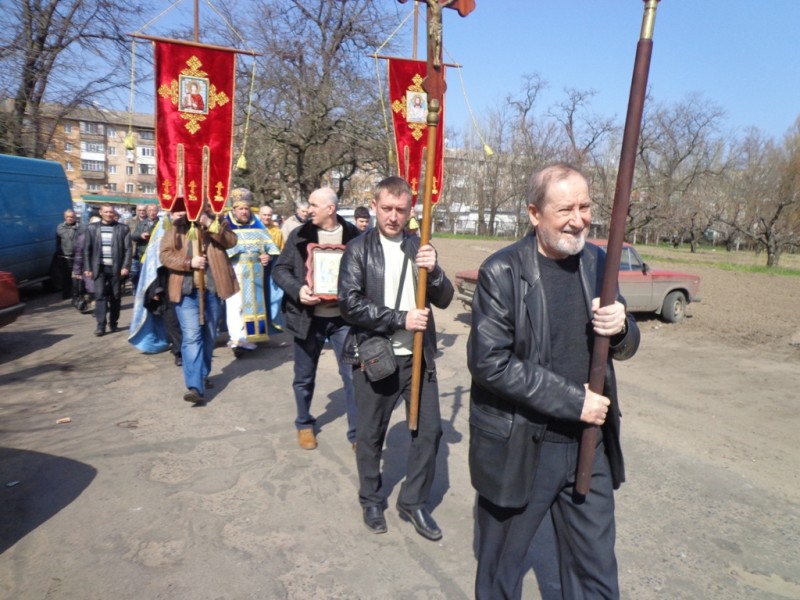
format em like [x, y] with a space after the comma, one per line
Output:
[619, 215]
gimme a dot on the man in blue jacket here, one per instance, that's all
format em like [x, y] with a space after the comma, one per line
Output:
[535, 313]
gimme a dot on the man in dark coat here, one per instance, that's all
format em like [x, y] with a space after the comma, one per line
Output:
[535, 314]
[107, 260]
[309, 318]
[66, 236]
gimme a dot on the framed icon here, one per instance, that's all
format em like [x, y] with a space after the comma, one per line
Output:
[322, 269]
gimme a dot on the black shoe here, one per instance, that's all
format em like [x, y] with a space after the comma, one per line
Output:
[100, 331]
[209, 384]
[422, 521]
[113, 328]
[193, 396]
[374, 519]
[178, 360]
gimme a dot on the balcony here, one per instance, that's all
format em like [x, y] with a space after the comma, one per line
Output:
[93, 175]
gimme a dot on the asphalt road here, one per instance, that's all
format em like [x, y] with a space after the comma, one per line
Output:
[142, 495]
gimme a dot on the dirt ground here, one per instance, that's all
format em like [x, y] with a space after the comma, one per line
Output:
[142, 496]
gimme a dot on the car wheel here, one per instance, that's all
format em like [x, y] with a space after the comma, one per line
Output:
[674, 308]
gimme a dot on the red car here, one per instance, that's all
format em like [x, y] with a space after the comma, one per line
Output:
[665, 293]
[10, 306]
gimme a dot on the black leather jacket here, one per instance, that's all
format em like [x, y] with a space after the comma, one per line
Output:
[361, 294]
[289, 273]
[514, 393]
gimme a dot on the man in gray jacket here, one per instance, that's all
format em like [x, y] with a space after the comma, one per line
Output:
[535, 314]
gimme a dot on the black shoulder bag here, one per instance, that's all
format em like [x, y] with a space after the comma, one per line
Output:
[375, 354]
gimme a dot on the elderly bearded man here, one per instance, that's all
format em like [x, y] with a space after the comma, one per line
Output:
[247, 313]
[535, 314]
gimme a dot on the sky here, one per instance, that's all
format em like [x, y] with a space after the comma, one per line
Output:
[740, 55]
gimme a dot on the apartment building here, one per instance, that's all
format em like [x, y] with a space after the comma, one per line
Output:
[90, 144]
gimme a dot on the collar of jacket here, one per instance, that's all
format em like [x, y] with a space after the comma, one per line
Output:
[308, 232]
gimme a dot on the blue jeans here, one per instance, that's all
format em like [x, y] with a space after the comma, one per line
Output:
[197, 346]
[306, 358]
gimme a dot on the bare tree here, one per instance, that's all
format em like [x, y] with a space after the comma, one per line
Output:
[585, 132]
[680, 149]
[316, 115]
[63, 52]
[766, 208]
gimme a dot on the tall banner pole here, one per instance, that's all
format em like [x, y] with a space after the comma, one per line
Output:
[619, 215]
[434, 86]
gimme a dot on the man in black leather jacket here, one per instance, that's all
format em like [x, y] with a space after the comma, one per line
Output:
[535, 313]
[377, 298]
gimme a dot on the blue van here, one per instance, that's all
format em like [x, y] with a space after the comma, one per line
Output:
[33, 197]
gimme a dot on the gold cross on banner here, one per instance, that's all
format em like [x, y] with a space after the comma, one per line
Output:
[193, 94]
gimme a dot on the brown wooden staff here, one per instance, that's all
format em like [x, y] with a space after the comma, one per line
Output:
[435, 87]
[619, 215]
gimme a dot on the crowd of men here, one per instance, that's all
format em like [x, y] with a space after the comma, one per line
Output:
[535, 315]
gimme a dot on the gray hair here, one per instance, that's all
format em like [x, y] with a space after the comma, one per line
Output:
[540, 182]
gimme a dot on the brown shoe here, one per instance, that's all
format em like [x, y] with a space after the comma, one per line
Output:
[306, 439]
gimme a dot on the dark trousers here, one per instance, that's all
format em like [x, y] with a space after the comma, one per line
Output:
[69, 286]
[306, 359]
[107, 298]
[375, 402]
[173, 327]
[585, 531]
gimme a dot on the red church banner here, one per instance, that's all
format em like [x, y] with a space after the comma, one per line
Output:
[409, 113]
[194, 125]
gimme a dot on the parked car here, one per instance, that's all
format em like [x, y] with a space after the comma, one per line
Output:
[645, 289]
[10, 306]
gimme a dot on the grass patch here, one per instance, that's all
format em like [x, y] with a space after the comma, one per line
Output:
[742, 262]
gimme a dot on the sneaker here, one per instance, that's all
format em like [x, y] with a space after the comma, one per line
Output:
[100, 331]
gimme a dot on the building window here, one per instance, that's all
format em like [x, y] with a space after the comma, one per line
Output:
[93, 165]
[111, 132]
[87, 127]
[147, 151]
[68, 166]
[112, 169]
[112, 151]
[67, 127]
[129, 188]
[67, 147]
[149, 188]
[96, 147]
[71, 184]
[93, 187]
[128, 170]
[112, 187]
[148, 134]
[147, 169]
